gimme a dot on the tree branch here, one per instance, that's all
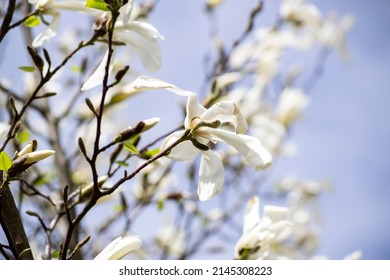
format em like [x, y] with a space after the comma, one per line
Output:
[5, 26]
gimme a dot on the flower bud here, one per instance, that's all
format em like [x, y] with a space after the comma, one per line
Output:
[28, 149]
[100, 25]
[38, 156]
[86, 191]
[132, 131]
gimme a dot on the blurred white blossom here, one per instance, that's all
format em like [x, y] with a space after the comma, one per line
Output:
[333, 32]
[300, 13]
[172, 239]
[263, 235]
[290, 105]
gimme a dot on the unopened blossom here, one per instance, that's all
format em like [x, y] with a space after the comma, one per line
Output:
[290, 105]
[261, 234]
[138, 128]
[119, 248]
[31, 155]
[38, 156]
[53, 9]
[86, 191]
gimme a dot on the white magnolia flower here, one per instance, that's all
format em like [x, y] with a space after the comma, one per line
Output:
[140, 37]
[205, 126]
[119, 248]
[53, 9]
[262, 234]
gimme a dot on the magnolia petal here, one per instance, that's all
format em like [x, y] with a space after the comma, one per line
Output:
[78, 6]
[119, 248]
[144, 82]
[211, 175]
[252, 214]
[125, 11]
[183, 151]
[26, 150]
[248, 146]
[48, 33]
[194, 110]
[275, 213]
[280, 230]
[226, 112]
[147, 49]
[145, 29]
[98, 75]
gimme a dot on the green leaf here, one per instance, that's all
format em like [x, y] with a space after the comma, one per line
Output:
[122, 163]
[117, 98]
[118, 208]
[32, 21]
[43, 179]
[23, 136]
[131, 148]
[96, 4]
[160, 205]
[77, 69]
[56, 254]
[5, 161]
[151, 153]
[27, 68]
[204, 222]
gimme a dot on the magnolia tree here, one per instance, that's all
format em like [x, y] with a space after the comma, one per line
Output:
[78, 181]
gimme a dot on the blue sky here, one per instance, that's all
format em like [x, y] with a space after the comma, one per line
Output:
[344, 135]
